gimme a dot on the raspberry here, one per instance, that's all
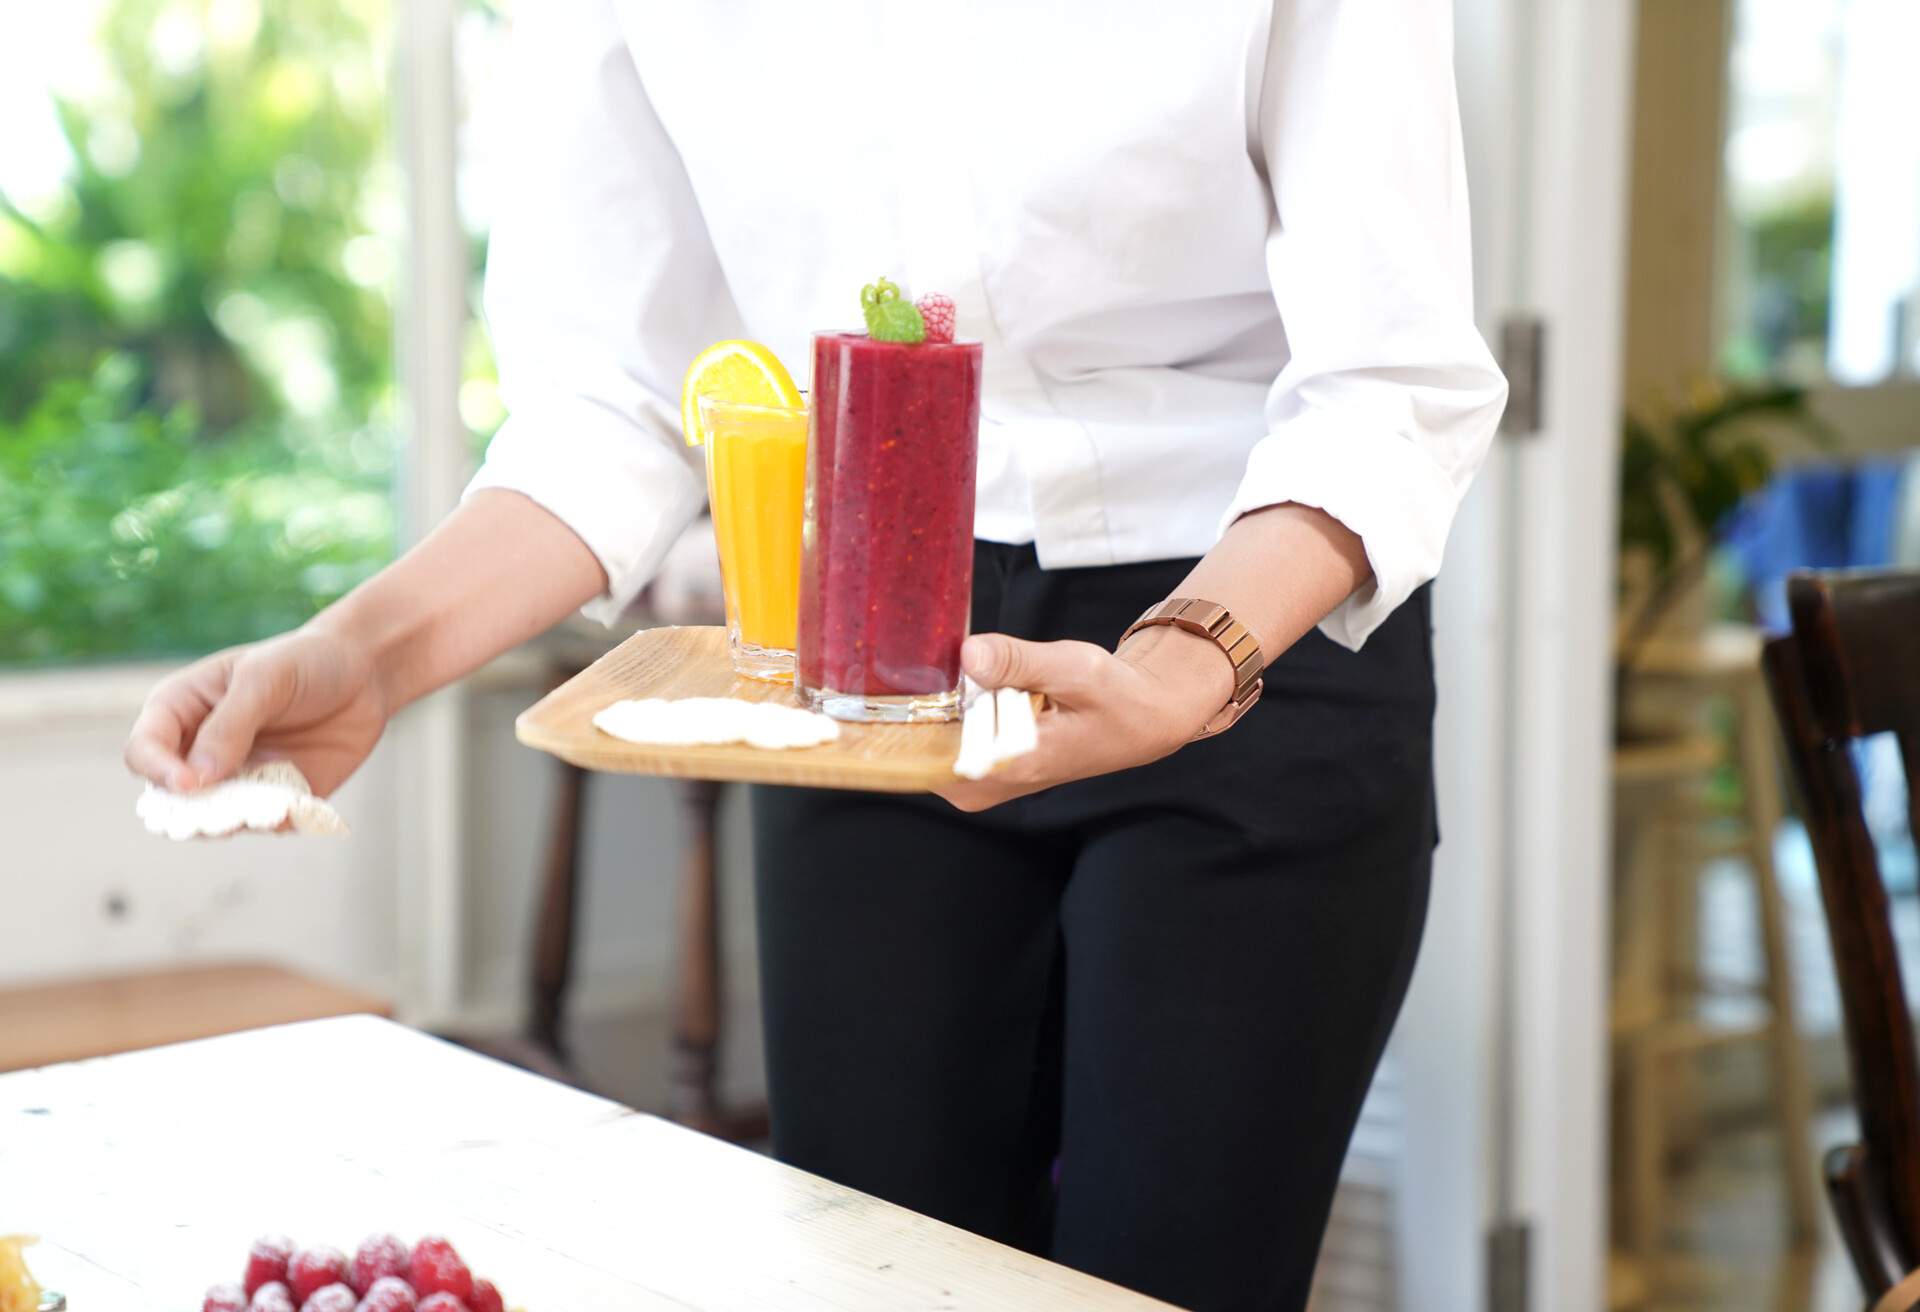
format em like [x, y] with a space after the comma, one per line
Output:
[315, 1268]
[389, 1294]
[486, 1298]
[378, 1255]
[443, 1303]
[938, 312]
[224, 1298]
[438, 1269]
[271, 1297]
[336, 1297]
[266, 1261]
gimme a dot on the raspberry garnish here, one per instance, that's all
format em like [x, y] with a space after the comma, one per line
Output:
[224, 1298]
[438, 1269]
[273, 1296]
[266, 1261]
[377, 1256]
[486, 1298]
[443, 1303]
[938, 313]
[337, 1297]
[388, 1294]
[312, 1269]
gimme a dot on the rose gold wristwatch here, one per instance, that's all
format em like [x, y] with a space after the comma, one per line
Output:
[1216, 622]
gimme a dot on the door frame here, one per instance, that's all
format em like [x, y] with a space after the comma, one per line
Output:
[1504, 1041]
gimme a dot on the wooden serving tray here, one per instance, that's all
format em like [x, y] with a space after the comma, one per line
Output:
[693, 662]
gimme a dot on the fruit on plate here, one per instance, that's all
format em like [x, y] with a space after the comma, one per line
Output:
[312, 1269]
[274, 1296]
[389, 1294]
[378, 1256]
[745, 373]
[336, 1297]
[18, 1292]
[437, 1269]
[267, 1262]
[384, 1275]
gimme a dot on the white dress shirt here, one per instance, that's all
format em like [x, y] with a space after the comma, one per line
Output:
[1217, 254]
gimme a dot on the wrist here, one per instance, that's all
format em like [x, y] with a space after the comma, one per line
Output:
[360, 624]
[1195, 675]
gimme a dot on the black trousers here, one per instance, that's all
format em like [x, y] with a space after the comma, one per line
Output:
[1174, 982]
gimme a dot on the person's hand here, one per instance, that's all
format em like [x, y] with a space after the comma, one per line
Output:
[309, 697]
[1105, 711]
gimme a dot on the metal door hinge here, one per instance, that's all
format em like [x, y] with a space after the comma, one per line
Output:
[1523, 358]
[1507, 1266]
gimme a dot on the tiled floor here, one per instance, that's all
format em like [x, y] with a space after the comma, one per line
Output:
[1727, 1229]
[1728, 1233]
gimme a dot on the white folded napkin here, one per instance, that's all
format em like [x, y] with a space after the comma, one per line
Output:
[995, 727]
[711, 721]
[261, 797]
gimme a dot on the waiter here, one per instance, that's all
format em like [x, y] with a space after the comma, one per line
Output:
[1120, 1002]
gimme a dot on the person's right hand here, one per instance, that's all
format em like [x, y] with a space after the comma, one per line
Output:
[309, 697]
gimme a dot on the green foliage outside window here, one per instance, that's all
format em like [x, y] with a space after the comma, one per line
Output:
[196, 392]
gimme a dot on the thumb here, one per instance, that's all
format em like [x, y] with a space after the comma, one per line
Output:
[994, 660]
[253, 696]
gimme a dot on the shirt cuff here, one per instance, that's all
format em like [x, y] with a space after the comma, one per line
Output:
[625, 491]
[1381, 486]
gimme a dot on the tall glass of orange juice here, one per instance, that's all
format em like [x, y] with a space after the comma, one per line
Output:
[756, 483]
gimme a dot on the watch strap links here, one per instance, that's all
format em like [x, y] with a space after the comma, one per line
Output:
[1211, 620]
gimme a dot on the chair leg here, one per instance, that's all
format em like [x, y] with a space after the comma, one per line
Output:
[1639, 1007]
[693, 1098]
[1760, 786]
[553, 935]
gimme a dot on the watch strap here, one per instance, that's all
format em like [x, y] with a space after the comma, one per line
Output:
[1211, 620]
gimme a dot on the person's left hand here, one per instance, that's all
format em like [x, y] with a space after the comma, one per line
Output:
[1105, 711]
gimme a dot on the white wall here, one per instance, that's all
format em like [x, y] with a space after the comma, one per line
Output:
[72, 847]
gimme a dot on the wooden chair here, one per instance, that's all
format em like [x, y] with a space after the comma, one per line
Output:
[687, 591]
[1852, 669]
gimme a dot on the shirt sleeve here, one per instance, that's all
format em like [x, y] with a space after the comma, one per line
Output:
[1389, 398]
[601, 285]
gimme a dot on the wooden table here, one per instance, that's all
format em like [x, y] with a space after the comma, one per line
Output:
[147, 1175]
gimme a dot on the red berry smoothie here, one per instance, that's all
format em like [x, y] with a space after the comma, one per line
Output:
[886, 564]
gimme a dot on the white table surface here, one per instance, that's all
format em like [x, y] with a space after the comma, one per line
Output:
[147, 1175]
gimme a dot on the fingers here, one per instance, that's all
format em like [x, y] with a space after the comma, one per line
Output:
[153, 748]
[993, 660]
[256, 692]
[157, 744]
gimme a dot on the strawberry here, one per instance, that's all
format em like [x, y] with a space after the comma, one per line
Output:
[486, 1298]
[442, 1303]
[336, 1297]
[266, 1261]
[438, 1269]
[224, 1298]
[388, 1294]
[937, 311]
[271, 1297]
[378, 1255]
[315, 1268]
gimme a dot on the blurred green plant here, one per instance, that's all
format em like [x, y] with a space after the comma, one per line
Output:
[196, 390]
[1683, 471]
[124, 530]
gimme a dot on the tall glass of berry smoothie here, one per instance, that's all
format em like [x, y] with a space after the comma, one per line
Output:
[886, 565]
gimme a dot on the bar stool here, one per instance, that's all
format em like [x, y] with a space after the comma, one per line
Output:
[687, 591]
[1660, 814]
